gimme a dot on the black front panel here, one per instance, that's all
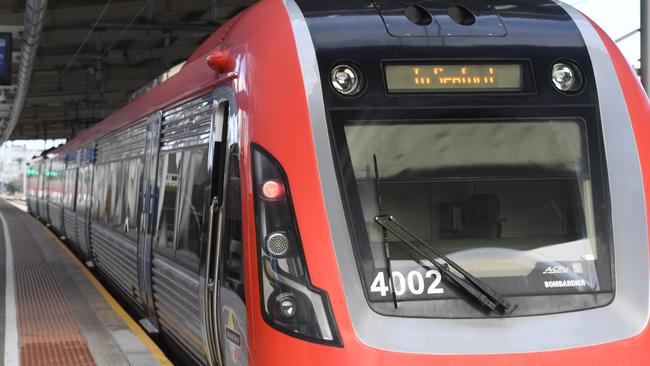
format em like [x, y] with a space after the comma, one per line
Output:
[474, 200]
[539, 33]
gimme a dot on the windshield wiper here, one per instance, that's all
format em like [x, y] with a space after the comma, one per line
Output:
[474, 287]
[380, 205]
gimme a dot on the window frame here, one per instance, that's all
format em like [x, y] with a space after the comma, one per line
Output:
[171, 252]
[449, 308]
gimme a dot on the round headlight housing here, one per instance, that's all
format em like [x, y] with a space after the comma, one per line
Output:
[286, 305]
[566, 77]
[346, 79]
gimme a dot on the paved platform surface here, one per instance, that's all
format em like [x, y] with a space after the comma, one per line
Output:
[53, 312]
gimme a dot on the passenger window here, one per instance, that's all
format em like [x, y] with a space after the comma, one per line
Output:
[87, 182]
[80, 189]
[192, 201]
[100, 192]
[109, 175]
[117, 179]
[168, 177]
[132, 179]
[83, 195]
[184, 187]
[70, 188]
[232, 251]
[86, 197]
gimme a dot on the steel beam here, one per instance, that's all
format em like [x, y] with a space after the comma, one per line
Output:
[15, 30]
[34, 19]
[187, 27]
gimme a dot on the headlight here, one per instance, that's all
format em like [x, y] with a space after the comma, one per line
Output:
[290, 303]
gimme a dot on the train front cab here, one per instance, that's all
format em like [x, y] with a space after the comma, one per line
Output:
[535, 190]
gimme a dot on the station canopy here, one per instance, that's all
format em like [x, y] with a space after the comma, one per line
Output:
[94, 56]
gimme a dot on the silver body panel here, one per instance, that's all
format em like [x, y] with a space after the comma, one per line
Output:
[70, 226]
[176, 295]
[116, 256]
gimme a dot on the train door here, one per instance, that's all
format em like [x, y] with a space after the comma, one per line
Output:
[180, 220]
[224, 306]
[147, 219]
[45, 188]
[55, 205]
[85, 178]
[70, 197]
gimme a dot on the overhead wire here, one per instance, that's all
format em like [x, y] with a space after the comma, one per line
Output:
[627, 35]
[117, 37]
[212, 5]
[90, 32]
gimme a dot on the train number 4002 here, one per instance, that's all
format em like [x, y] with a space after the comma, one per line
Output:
[412, 282]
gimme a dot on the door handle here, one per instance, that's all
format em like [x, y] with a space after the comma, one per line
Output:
[215, 294]
[208, 314]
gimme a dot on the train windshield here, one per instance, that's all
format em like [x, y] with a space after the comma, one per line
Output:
[514, 203]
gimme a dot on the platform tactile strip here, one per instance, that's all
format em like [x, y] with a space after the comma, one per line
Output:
[49, 335]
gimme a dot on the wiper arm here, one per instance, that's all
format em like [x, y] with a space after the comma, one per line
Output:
[380, 205]
[477, 289]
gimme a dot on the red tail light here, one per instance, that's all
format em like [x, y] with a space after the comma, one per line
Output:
[272, 190]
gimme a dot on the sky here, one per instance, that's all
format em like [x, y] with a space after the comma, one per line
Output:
[617, 18]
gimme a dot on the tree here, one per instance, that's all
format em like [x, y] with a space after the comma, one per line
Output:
[16, 185]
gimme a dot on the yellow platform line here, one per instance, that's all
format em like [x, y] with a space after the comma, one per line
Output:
[156, 352]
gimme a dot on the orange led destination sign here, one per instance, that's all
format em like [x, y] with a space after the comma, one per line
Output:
[453, 77]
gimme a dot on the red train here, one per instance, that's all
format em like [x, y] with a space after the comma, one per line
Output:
[376, 182]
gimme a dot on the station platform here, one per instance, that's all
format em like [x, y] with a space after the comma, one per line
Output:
[53, 311]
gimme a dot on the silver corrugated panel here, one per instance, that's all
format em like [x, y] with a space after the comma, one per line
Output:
[187, 125]
[123, 145]
[33, 204]
[177, 305]
[70, 226]
[82, 235]
[117, 258]
[42, 210]
[56, 216]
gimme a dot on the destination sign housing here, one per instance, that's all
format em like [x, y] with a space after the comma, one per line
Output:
[453, 77]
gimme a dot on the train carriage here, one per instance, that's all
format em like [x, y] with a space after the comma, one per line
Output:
[376, 182]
